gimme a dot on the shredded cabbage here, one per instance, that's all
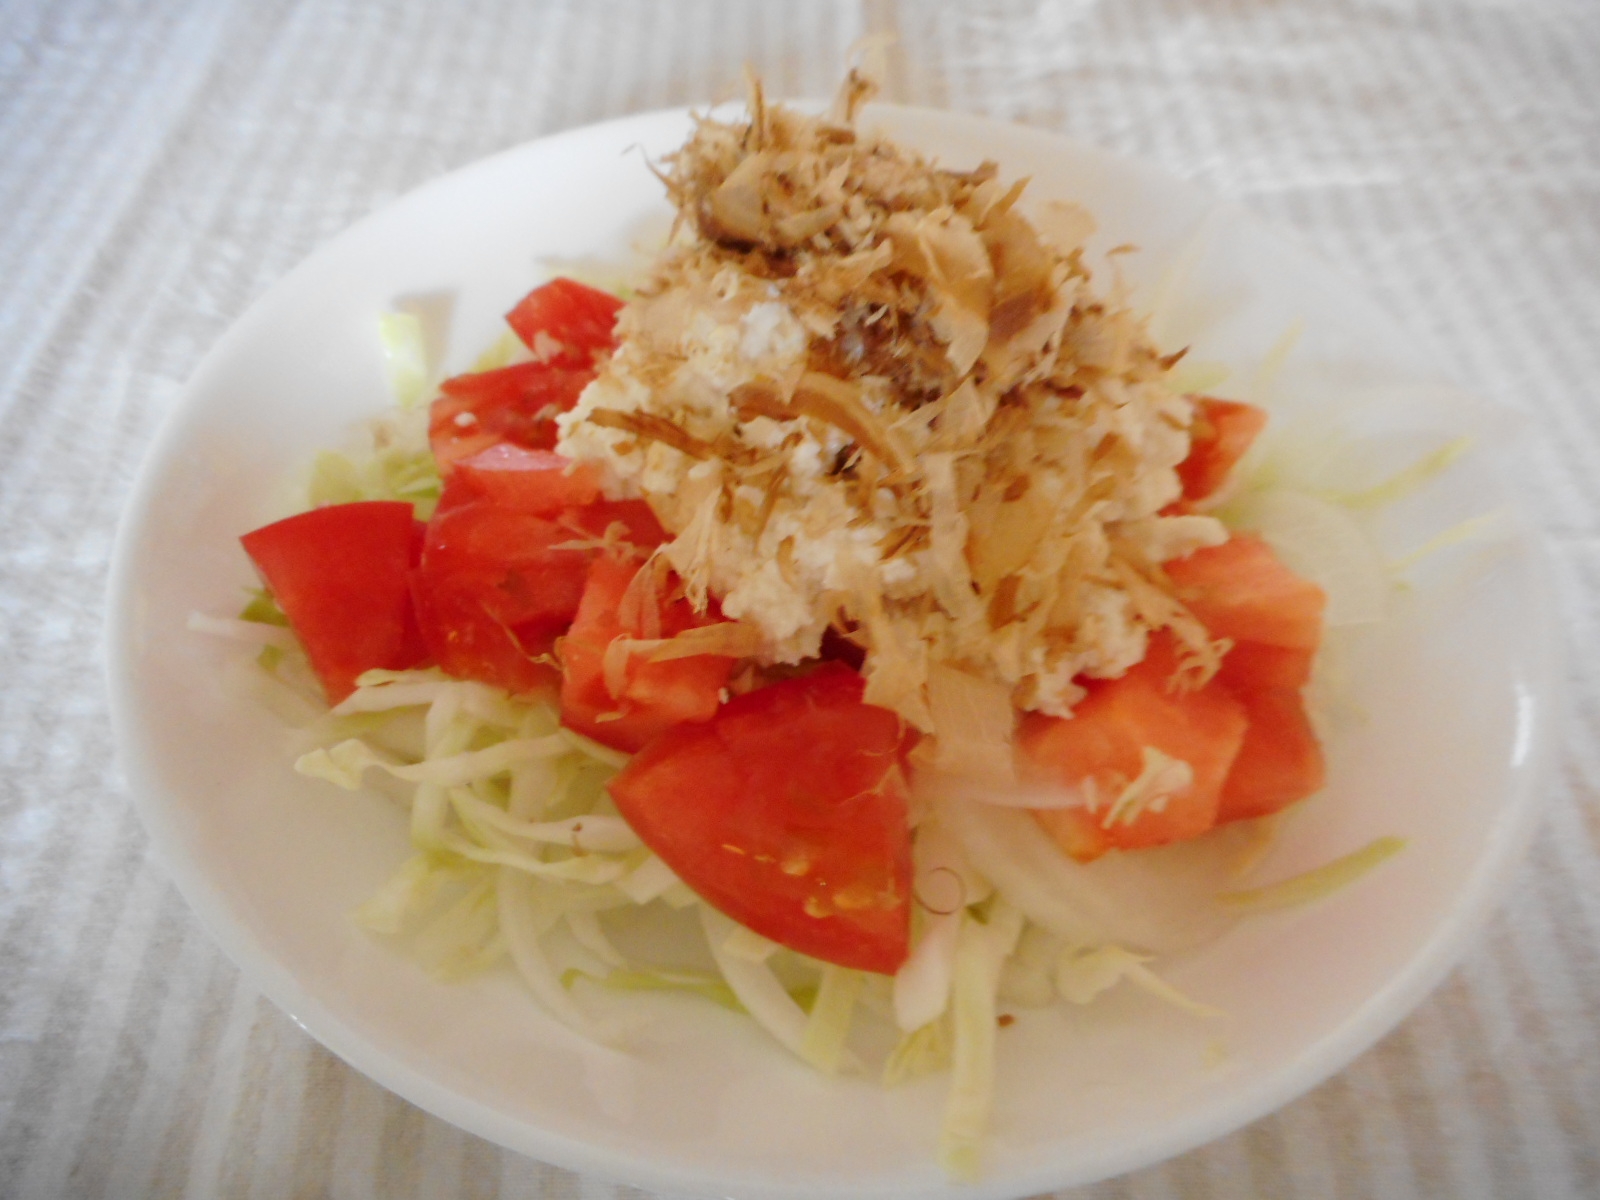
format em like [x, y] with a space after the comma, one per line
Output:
[828, 1025]
[1083, 973]
[1316, 884]
[983, 945]
[405, 351]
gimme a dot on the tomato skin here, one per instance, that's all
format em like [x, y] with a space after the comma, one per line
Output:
[495, 587]
[1222, 431]
[632, 520]
[466, 640]
[787, 811]
[1251, 666]
[1261, 759]
[1104, 740]
[1280, 761]
[579, 319]
[505, 561]
[1240, 590]
[516, 404]
[655, 696]
[539, 482]
[340, 575]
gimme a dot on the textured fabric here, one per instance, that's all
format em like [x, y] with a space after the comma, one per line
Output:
[162, 163]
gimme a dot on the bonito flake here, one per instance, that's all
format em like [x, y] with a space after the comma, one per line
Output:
[864, 391]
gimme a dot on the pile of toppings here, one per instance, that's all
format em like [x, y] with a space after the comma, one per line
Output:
[866, 392]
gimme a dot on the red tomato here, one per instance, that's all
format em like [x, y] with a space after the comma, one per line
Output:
[577, 319]
[631, 520]
[498, 584]
[1104, 741]
[339, 574]
[539, 482]
[1251, 666]
[516, 404]
[1240, 590]
[468, 642]
[787, 811]
[1280, 761]
[496, 587]
[1222, 431]
[654, 696]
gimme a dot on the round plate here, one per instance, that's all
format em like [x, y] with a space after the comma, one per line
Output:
[1437, 745]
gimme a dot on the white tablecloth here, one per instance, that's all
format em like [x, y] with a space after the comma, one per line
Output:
[162, 163]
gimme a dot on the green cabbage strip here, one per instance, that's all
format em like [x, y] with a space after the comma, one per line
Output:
[1483, 527]
[828, 1026]
[1083, 973]
[1316, 884]
[1403, 483]
[395, 463]
[263, 607]
[754, 983]
[981, 949]
[405, 353]
[515, 837]
[923, 1051]
[708, 987]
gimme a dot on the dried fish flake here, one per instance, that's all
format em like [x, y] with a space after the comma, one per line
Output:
[866, 391]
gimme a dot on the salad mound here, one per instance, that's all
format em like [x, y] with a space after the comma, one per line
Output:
[854, 590]
[868, 394]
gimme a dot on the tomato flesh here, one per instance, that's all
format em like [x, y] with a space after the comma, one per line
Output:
[654, 696]
[1280, 760]
[340, 575]
[1222, 431]
[1252, 666]
[576, 321]
[568, 326]
[516, 404]
[630, 521]
[505, 561]
[1104, 741]
[539, 482]
[1245, 734]
[1240, 590]
[787, 811]
[496, 586]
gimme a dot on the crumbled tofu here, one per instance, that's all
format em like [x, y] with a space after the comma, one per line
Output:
[864, 391]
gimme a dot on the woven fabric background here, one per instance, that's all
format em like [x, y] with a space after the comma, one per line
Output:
[163, 162]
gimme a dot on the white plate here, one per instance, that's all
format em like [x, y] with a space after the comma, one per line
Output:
[1451, 696]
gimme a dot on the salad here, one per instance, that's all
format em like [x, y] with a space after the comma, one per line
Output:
[856, 591]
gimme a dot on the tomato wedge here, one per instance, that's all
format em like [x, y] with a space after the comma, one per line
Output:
[516, 404]
[1104, 740]
[568, 326]
[340, 575]
[494, 591]
[1240, 590]
[1251, 667]
[539, 482]
[575, 322]
[652, 696]
[505, 561]
[1222, 431]
[1280, 761]
[788, 812]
